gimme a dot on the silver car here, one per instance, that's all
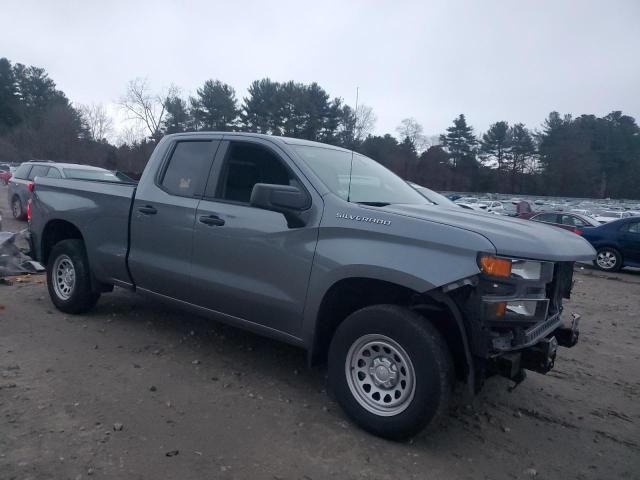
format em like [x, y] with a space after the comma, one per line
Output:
[22, 181]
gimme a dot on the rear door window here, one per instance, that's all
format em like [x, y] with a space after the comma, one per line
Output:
[54, 173]
[633, 228]
[571, 220]
[38, 171]
[546, 217]
[188, 168]
[23, 171]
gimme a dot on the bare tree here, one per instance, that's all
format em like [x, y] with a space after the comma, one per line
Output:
[130, 135]
[145, 107]
[365, 122]
[411, 129]
[97, 120]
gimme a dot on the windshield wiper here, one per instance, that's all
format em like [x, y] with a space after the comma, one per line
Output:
[374, 204]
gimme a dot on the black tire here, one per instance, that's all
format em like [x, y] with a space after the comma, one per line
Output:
[16, 208]
[608, 259]
[427, 352]
[80, 297]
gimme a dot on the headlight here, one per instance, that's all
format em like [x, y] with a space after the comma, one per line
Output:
[507, 267]
[526, 308]
[526, 269]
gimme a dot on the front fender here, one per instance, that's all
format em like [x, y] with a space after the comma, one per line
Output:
[418, 255]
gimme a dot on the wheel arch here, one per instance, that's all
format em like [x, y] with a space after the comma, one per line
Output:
[55, 231]
[350, 294]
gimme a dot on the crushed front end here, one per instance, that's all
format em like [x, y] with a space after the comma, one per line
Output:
[515, 316]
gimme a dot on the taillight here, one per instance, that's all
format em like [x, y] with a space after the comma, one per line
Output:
[31, 186]
[577, 231]
[29, 211]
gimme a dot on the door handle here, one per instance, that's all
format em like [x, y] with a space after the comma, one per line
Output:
[211, 220]
[148, 210]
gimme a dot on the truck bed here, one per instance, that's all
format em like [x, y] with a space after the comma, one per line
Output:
[100, 210]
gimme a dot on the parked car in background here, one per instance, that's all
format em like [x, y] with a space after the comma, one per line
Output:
[434, 197]
[468, 200]
[5, 173]
[21, 183]
[573, 222]
[581, 211]
[617, 244]
[515, 208]
[610, 216]
[124, 177]
[492, 206]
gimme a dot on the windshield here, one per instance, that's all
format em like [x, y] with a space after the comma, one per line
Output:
[371, 183]
[86, 174]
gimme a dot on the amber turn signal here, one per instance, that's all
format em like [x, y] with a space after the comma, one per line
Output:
[500, 309]
[494, 266]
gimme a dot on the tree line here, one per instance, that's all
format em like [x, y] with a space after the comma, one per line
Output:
[584, 156]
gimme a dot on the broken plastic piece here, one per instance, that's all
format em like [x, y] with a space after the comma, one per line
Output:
[13, 260]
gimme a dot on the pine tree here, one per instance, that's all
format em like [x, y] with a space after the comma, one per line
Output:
[521, 152]
[315, 112]
[496, 143]
[291, 99]
[9, 104]
[177, 117]
[262, 110]
[459, 141]
[217, 104]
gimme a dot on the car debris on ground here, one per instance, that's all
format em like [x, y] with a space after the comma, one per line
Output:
[13, 256]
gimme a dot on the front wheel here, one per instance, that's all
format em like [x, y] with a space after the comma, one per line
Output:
[69, 278]
[608, 259]
[391, 370]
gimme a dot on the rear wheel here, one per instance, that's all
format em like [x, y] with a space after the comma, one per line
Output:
[608, 259]
[69, 278]
[16, 208]
[390, 370]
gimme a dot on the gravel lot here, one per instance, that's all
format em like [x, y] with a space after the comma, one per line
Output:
[136, 390]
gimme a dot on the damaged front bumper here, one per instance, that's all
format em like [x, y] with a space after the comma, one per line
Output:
[517, 322]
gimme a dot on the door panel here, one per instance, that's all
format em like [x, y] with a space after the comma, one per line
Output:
[254, 266]
[162, 219]
[630, 242]
[249, 263]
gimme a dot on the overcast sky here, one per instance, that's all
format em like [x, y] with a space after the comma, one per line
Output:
[492, 60]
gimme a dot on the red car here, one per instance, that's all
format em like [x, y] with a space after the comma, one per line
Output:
[5, 174]
[573, 222]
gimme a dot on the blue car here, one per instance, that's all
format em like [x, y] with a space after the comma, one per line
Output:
[617, 244]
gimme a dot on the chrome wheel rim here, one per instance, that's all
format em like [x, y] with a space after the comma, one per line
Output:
[16, 208]
[380, 375]
[64, 277]
[606, 259]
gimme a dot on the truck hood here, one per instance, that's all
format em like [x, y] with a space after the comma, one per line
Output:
[511, 237]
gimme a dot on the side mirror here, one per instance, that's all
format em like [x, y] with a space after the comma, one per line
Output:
[286, 199]
[279, 198]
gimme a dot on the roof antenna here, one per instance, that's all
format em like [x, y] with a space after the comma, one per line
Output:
[353, 143]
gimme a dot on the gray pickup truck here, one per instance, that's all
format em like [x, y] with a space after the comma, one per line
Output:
[326, 250]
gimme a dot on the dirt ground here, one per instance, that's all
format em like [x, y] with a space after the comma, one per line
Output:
[135, 390]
